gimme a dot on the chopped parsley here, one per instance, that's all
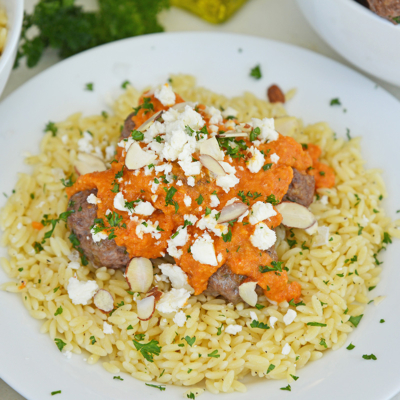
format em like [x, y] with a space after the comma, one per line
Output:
[335, 102]
[51, 127]
[139, 336]
[93, 340]
[270, 368]
[227, 237]
[214, 354]
[254, 133]
[148, 349]
[137, 135]
[293, 304]
[219, 330]
[58, 311]
[350, 346]
[322, 173]
[118, 378]
[386, 238]
[89, 87]
[275, 266]
[369, 357]
[256, 72]
[315, 324]
[266, 167]
[159, 387]
[356, 320]
[273, 200]
[200, 200]
[291, 243]
[288, 388]
[56, 392]
[146, 105]
[190, 341]
[381, 321]
[125, 84]
[258, 324]
[294, 377]
[323, 343]
[60, 344]
[259, 306]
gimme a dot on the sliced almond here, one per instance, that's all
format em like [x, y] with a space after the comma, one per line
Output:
[232, 134]
[137, 158]
[295, 215]
[139, 274]
[313, 229]
[286, 126]
[247, 291]
[181, 106]
[146, 307]
[88, 163]
[212, 164]
[149, 93]
[231, 212]
[211, 148]
[146, 124]
[104, 301]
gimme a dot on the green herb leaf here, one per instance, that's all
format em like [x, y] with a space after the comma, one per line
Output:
[148, 349]
[136, 135]
[288, 388]
[227, 237]
[159, 387]
[315, 324]
[256, 72]
[356, 320]
[270, 368]
[51, 127]
[335, 102]
[58, 311]
[56, 392]
[214, 354]
[219, 330]
[60, 344]
[258, 324]
[350, 347]
[259, 306]
[369, 357]
[118, 377]
[200, 200]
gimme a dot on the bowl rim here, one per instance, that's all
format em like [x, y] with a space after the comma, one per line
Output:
[368, 13]
[15, 26]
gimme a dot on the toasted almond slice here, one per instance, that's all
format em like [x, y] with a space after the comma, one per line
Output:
[295, 215]
[146, 307]
[211, 148]
[313, 229]
[139, 274]
[212, 164]
[146, 124]
[88, 163]
[232, 134]
[247, 291]
[181, 106]
[104, 301]
[137, 158]
[231, 212]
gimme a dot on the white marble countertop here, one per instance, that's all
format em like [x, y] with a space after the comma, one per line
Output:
[279, 20]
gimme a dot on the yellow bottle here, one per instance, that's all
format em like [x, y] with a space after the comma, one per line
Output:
[215, 11]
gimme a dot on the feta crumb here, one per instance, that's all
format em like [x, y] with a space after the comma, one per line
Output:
[110, 152]
[210, 223]
[92, 199]
[219, 257]
[256, 161]
[180, 318]
[19, 226]
[176, 276]
[272, 321]
[187, 200]
[274, 158]
[107, 328]
[191, 218]
[216, 117]
[67, 354]
[179, 183]
[214, 201]
[74, 265]
[267, 128]
[263, 237]
[166, 95]
[154, 198]
[261, 211]
[179, 239]
[80, 292]
[119, 202]
[233, 329]
[64, 139]
[289, 317]
[85, 144]
[144, 208]
[74, 255]
[203, 250]
[253, 316]
[190, 181]
[229, 111]
[173, 300]
[286, 349]
[324, 200]
[99, 236]
[229, 180]
[146, 227]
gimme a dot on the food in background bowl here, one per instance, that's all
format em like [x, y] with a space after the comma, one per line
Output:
[3, 30]
[389, 9]
[198, 317]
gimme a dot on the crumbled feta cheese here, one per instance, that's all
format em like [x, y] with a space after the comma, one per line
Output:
[92, 199]
[229, 111]
[216, 117]
[173, 300]
[80, 292]
[166, 95]
[209, 222]
[110, 152]
[64, 139]
[85, 144]
[107, 328]
[179, 183]
[176, 275]
[189, 167]
[74, 255]
[229, 180]
[74, 265]
[190, 181]
[144, 208]
[256, 162]
[191, 218]
[272, 321]
[274, 158]
[19, 226]
[267, 128]
[261, 211]
[119, 202]
[233, 329]
[41, 204]
[286, 349]
[180, 318]
[179, 239]
[154, 198]
[253, 316]
[187, 200]
[200, 209]
[219, 257]
[365, 220]
[324, 200]
[214, 201]
[99, 236]
[322, 238]
[68, 354]
[203, 250]
[289, 316]
[146, 227]
[263, 237]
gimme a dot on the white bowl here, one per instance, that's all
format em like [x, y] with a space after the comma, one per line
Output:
[362, 37]
[15, 14]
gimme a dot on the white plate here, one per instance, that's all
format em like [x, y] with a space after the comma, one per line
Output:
[33, 365]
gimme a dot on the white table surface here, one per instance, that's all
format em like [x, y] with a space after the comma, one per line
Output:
[274, 19]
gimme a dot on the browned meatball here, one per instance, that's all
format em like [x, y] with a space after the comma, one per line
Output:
[105, 253]
[301, 189]
[226, 284]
